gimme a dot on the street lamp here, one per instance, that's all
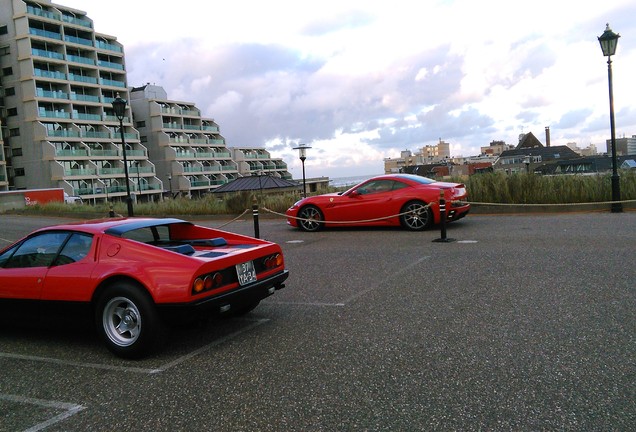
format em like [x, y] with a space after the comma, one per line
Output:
[302, 153]
[170, 182]
[137, 163]
[119, 106]
[608, 41]
[526, 160]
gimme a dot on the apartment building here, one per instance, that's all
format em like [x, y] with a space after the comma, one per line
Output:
[258, 161]
[59, 78]
[187, 149]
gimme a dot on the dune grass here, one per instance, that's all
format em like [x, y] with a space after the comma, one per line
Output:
[495, 187]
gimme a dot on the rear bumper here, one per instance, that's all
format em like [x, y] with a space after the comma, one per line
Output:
[224, 303]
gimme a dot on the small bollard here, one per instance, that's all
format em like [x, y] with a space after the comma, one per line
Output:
[255, 216]
[111, 212]
[442, 220]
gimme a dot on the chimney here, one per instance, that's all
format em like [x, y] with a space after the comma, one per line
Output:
[547, 136]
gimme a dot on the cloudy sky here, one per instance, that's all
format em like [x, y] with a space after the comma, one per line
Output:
[359, 81]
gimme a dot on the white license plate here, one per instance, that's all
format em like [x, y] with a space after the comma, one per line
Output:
[246, 273]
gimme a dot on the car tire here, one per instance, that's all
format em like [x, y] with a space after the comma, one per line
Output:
[417, 216]
[127, 320]
[310, 218]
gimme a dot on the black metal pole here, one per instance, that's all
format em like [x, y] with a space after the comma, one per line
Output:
[302, 159]
[129, 203]
[617, 207]
[442, 220]
[255, 216]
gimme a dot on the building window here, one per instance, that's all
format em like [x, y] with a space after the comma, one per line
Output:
[7, 71]
[9, 91]
[18, 172]
[12, 112]
[16, 151]
[14, 132]
[140, 124]
[4, 30]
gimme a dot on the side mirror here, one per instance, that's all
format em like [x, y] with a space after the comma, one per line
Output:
[354, 194]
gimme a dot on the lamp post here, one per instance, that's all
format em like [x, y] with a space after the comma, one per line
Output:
[170, 182]
[302, 153]
[608, 41]
[526, 160]
[119, 106]
[138, 177]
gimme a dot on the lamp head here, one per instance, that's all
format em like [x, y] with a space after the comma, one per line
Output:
[608, 41]
[119, 106]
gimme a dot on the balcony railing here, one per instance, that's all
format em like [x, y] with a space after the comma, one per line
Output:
[82, 78]
[78, 40]
[50, 74]
[48, 54]
[45, 33]
[80, 59]
[58, 94]
[111, 65]
[107, 46]
[71, 152]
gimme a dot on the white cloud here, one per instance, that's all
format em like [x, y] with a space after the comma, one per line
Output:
[363, 79]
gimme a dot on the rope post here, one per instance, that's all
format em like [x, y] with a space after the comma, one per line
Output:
[442, 219]
[255, 216]
[111, 212]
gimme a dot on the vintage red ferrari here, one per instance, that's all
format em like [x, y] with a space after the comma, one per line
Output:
[405, 200]
[134, 274]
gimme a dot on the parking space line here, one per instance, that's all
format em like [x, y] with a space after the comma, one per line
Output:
[385, 280]
[307, 304]
[204, 348]
[130, 369]
[69, 409]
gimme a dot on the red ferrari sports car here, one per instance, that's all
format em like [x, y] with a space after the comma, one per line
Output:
[405, 200]
[134, 273]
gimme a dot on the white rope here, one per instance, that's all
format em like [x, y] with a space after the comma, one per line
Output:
[343, 222]
[233, 220]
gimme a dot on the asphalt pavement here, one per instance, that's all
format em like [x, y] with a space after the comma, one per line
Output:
[521, 323]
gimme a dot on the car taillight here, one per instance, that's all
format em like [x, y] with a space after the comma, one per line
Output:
[207, 282]
[273, 261]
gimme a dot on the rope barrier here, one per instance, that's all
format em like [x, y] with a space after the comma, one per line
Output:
[343, 222]
[234, 220]
[547, 204]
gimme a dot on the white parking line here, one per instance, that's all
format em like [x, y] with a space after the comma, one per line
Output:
[130, 369]
[69, 409]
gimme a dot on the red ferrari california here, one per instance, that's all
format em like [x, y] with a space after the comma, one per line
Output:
[134, 274]
[405, 200]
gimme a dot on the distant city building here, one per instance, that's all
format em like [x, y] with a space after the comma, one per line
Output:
[496, 148]
[429, 154]
[529, 154]
[590, 150]
[624, 146]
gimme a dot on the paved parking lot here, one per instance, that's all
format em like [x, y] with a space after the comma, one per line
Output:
[522, 323]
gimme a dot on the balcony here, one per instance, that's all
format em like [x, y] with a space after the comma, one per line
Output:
[48, 54]
[45, 33]
[82, 78]
[71, 153]
[112, 83]
[80, 59]
[49, 74]
[78, 40]
[54, 114]
[110, 65]
[57, 94]
[107, 46]
[77, 21]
